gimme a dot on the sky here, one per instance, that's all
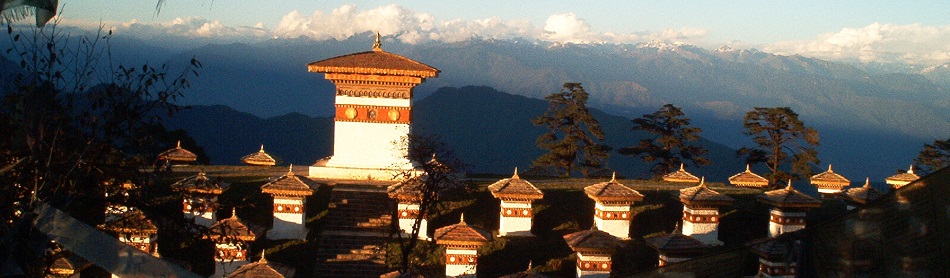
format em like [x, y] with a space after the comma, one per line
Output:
[916, 32]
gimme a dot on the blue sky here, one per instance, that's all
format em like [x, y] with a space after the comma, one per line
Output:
[869, 31]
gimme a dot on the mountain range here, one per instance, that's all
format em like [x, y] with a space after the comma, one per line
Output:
[872, 122]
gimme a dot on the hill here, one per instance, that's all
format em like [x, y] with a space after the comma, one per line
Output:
[488, 129]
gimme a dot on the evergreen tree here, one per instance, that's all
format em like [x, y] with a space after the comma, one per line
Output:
[669, 145]
[573, 136]
[934, 156]
[781, 139]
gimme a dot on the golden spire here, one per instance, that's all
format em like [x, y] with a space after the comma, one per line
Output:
[867, 182]
[911, 170]
[681, 166]
[702, 181]
[262, 147]
[290, 171]
[829, 168]
[179, 145]
[789, 187]
[613, 178]
[234, 213]
[377, 46]
[747, 168]
[462, 219]
[515, 176]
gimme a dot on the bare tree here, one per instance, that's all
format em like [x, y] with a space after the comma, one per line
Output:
[437, 173]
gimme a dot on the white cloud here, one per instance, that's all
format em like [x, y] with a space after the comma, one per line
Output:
[394, 21]
[887, 43]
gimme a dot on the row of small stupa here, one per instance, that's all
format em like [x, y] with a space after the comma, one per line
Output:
[179, 155]
[612, 216]
[232, 236]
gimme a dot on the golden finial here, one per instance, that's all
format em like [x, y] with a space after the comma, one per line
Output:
[263, 259]
[747, 168]
[702, 181]
[262, 147]
[462, 219]
[234, 213]
[867, 182]
[911, 170]
[678, 229]
[290, 171]
[179, 145]
[829, 168]
[515, 176]
[681, 166]
[613, 178]
[377, 46]
[789, 187]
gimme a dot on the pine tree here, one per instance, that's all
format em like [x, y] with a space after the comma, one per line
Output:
[670, 143]
[781, 139]
[573, 137]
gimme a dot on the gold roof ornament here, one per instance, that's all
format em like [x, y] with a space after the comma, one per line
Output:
[378, 45]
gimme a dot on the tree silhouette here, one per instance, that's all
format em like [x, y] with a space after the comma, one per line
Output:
[781, 139]
[670, 144]
[573, 136]
[934, 156]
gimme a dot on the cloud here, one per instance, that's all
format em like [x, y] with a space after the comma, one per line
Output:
[884, 43]
[394, 21]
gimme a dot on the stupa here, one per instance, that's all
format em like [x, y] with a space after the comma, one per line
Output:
[461, 243]
[516, 196]
[373, 113]
[829, 183]
[701, 212]
[290, 199]
[899, 180]
[612, 201]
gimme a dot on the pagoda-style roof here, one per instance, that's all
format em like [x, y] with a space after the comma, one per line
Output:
[612, 192]
[408, 190]
[748, 179]
[131, 222]
[290, 185]
[862, 195]
[234, 228]
[66, 264]
[703, 196]
[259, 158]
[680, 176]
[200, 184]
[593, 241]
[515, 188]
[902, 179]
[461, 235]
[263, 269]
[376, 62]
[178, 155]
[830, 179]
[676, 243]
[788, 197]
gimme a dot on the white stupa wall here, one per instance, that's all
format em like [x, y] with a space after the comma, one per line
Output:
[702, 224]
[203, 216]
[460, 262]
[288, 219]
[775, 269]
[407, 217]
[367, 145]
[593, 265]
[613, 219]
[515, 219]
[784, 222]
[230, 257]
